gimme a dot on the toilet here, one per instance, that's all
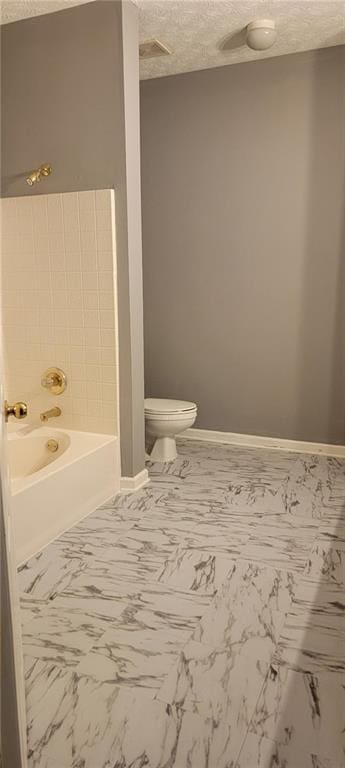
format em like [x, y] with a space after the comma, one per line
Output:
[164, 420]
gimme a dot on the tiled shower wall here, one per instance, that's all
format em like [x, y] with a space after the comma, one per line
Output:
[59, 305]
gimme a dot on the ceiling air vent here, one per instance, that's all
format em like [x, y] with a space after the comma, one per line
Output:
[151, 48]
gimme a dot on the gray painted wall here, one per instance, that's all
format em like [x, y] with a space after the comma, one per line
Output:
[243, 244]
[67, 80]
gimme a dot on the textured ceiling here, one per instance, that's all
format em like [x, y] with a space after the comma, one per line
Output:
[195, 30]
[209, 33]
[13, 10]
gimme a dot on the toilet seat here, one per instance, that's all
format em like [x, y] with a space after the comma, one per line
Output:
[155, 406]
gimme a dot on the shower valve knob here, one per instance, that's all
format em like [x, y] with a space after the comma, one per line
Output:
[55, 380]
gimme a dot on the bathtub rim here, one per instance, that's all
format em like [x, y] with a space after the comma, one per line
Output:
[70, 456]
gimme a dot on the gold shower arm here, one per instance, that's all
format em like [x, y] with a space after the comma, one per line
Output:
[35, 176]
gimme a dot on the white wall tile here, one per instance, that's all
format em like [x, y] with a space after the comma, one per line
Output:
[106, 300]
[70, 211]
[103, 219]
[87, 220]
[106, 317]
[104, 260]
[107, 337]
[73, 280]
[105, 280]
[91, 299]
[90, 280]
[102, 202]
[58, 258]
[92, 337]
[87, 200]
[104, 241]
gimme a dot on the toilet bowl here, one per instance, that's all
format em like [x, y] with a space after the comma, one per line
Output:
[164, 420]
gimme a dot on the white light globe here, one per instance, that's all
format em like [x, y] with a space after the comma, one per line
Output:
[261, 34]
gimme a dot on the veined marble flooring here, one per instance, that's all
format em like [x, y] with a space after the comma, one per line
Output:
[197, 623]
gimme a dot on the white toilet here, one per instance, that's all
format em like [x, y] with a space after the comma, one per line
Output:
[164, 420]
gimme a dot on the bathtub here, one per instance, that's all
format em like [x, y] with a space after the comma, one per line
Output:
[57, 477]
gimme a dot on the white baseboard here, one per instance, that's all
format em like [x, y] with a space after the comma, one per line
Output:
[134, 483]
[257, 441]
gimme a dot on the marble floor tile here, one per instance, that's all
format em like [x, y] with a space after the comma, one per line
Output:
[304, 711]
[128, 555]
[242, 470]
[48, 572]
[258, 752]
[154, 734]
[285, 525]
[258, 633]
[245, 477]
[332, 531]
[147, 545]
[99, 713]
[254, 586]
[60, 635]
[307, 486]
[137, 555]
[46, 763]
[175, 510]
[250, 610]
[327, 563]
[175, 507]
[30, 607]
[101, 528]
[93, 608]
[312, 644]
[107, 584]
[319, 597]
[150, 627]
[49, 712]
[100, 532]
[333, 506]
[158, 535]
[208, 502]
[163, 472]
[174, 489]
[256, 497]
[159, 606]
[125, 507]
[117, 728]
[147, 605]
[222, 685]
[238, 455]
[195, 570]
[134, 657]
[226, 483]
[280, 546]
[313, 636]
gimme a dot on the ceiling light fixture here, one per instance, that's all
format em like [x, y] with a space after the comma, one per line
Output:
[261, 34]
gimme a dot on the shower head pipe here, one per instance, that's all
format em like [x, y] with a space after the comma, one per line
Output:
[35, 176]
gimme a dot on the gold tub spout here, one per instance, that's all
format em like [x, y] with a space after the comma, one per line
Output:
[56, 411]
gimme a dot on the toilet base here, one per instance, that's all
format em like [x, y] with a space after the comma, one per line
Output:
[164, 449]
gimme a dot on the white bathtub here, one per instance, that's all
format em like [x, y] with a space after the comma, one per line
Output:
[53, 491]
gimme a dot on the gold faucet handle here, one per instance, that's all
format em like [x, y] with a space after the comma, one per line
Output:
[50, 381]
[18, 410]
[55, 380]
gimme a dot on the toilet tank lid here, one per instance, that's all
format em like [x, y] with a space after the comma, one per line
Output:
[159, 405]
